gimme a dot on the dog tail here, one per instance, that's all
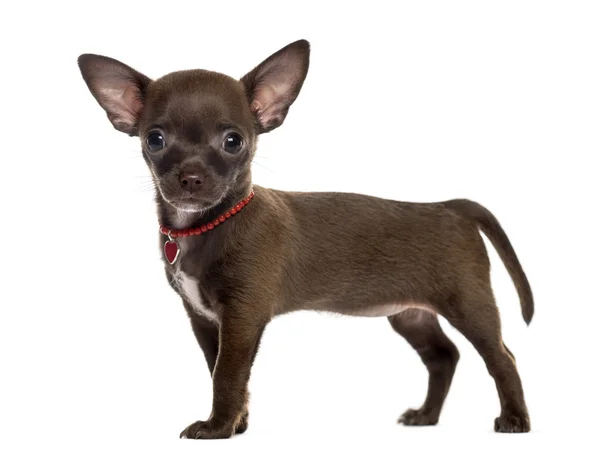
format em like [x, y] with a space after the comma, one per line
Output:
[490, 226]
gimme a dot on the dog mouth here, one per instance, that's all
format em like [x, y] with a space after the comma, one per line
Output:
[193, 202]
[186, 202]
[189, 206]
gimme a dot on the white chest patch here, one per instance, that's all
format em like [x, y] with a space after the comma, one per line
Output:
[189, 288]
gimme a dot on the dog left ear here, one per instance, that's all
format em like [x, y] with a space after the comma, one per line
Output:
[272, 87]
[118, 89]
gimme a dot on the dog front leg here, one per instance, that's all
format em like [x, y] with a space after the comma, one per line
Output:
[239, 338]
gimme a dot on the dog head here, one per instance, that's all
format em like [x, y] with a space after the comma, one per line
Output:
[198, 128]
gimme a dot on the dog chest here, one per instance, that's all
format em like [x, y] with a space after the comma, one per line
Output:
[189, 290]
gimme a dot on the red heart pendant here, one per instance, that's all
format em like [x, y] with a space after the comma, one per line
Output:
[171, 251]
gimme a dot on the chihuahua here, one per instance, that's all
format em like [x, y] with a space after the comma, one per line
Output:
[239, 254]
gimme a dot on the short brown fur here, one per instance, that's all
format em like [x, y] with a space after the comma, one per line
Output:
[296, 251]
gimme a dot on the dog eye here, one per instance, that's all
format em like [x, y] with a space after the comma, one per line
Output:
[155, 142]
[232, 143]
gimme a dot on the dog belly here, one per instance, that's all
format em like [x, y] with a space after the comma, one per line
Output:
[385, 309]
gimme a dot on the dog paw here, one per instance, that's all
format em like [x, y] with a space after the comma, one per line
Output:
[418, 417]
[242, 425]
[207, 430]
[510, 423]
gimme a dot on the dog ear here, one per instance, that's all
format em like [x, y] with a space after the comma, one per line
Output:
[118, 89]
[275, 83]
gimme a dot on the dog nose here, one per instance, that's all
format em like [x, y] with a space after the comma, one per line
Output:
[191, 180]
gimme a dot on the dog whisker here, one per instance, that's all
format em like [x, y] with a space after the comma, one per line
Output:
[263, 166]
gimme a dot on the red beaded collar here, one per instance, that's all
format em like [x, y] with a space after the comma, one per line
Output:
[171, 247]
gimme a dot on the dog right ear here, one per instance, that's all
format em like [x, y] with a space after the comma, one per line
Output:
[119, 89]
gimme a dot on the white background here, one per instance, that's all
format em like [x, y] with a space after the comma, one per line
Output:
[420, 101]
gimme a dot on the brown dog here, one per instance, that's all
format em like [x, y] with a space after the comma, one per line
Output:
[240, 254]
